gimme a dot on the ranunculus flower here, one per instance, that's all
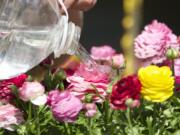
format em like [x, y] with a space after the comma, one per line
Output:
[151, 45]
[157, 83]
[53, 97]
[177, 70]
[117, 61]
[34, 92]
[18, 81]
[102, 52]
[9, 116]
[177, 66]
[83, 80]
[91, 109]
[6, 94]
[126, 88]
[65, 106]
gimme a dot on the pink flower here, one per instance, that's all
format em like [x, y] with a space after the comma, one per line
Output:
[34, 92]
[178, 39]
[65, 107]
[177, 67]
[9, 116]
[83, 80]
[102, 52]
[151, 45]
[91, 109]
[52, 97]
[177, 70]
[6, 94]
[117, 61]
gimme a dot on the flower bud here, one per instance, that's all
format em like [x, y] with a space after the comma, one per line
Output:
[88, 98]
[91, 109]
[129, 102]
[21, 130]
[136, 103]
[172, 53]
[132, 103]
[60, 75]
[118, 61]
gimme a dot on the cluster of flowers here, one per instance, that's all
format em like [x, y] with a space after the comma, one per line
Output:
[88, 87]
[66, 104]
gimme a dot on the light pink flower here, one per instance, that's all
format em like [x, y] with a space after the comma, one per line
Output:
[151, 45]
[117, 61]
[91, 109]
[9, 116]
[83, 80]
[102, 52]
[34, 92]
[177, 67]
[65, 106]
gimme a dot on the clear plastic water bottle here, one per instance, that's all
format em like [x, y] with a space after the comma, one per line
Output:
[30, 30]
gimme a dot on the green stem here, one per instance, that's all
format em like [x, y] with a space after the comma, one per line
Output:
[174, 74]
[111, 114]
[29, 111]
[38, 126]
[128, 116]
[106, 115]
[106, 112]
[66, 126]
[172, 67]
[150, 128]
[38, 111]
[90, 126]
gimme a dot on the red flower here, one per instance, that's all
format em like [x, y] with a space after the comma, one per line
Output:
[124, 89]
[6, 94]
[18, 81]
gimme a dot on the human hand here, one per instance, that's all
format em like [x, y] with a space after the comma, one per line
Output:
[81, 5]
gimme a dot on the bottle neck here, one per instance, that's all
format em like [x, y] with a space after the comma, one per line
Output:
[72, 42]
[69, 41]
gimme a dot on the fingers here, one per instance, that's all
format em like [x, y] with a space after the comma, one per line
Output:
[83, 5]
[69, 3]
[76, 17]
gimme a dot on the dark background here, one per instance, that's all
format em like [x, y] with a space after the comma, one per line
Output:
[102, 24]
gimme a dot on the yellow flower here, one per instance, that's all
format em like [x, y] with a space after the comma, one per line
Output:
[157, 83]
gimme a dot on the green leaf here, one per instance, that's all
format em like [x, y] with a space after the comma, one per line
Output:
[177, 132]
[167, 113]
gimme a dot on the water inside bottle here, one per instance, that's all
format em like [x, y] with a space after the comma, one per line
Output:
[23, 51]
[27, 31]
